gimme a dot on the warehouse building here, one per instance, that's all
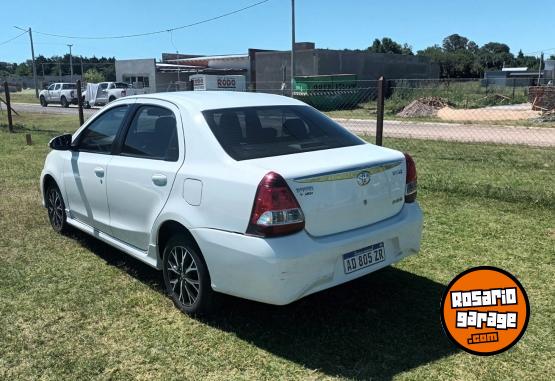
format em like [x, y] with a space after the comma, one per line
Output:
[270, 70]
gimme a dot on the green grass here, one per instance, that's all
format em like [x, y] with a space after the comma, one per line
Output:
[24, 96]
[74, 308]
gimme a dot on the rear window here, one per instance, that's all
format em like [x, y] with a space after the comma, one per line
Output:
[255, 132]
[67, 86]
[121, 85]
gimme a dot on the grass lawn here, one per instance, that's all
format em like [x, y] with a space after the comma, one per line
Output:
[24, 96]
[74, 308]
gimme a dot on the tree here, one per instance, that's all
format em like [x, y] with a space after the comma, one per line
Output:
[23, 70]
[455, 42]
[93, 76]
[552, 57]
[387, 45]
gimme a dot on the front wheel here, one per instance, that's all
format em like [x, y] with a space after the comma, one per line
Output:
[186, 276]
[111, 99]
[56, 209]
[43, 101]
[64, 102]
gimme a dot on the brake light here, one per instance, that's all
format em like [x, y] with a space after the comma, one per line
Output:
[123, 93]
[275, 211]
[411, 183]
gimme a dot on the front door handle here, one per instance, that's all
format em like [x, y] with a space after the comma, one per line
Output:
[99, 171]
[159, 180]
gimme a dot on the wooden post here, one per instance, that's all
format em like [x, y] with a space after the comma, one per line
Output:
[380, 111]
[80, 103]
[28, 139]
[9, 106]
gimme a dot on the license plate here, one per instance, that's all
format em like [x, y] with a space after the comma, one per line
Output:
[362, 258]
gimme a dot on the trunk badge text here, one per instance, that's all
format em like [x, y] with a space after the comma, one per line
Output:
[363, 178]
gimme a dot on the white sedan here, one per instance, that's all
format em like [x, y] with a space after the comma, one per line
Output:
[254, 195]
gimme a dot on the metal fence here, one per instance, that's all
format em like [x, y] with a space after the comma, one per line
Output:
[469, 110]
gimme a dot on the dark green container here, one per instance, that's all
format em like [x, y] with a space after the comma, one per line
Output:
[328, 92]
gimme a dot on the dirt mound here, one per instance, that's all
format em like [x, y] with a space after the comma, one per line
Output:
[423, 107]
[548, 116]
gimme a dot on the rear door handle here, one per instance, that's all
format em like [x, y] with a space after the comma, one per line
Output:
[99, 171]
[159, 180]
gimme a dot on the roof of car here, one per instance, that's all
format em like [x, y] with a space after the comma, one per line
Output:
[209, 100]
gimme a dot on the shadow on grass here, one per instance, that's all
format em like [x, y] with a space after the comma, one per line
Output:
[372, 328]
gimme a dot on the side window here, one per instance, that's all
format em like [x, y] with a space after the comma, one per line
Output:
[100, 134]
[152, 135]
[57, 86]
[51, 87]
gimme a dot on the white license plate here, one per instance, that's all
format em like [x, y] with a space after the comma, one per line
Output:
[362, 258]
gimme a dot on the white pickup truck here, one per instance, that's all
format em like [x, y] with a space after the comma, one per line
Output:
[106, 92]
[62, 93]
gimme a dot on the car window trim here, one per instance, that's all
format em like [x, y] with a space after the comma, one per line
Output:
[77, 142]
[125, 131]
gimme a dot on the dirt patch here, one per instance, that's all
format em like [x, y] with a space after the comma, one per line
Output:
[486, 114]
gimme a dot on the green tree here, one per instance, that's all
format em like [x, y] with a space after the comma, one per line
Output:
[93, 76]
[23, 70]
[387, 45]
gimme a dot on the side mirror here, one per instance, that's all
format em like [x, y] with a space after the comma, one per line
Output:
[61, 143]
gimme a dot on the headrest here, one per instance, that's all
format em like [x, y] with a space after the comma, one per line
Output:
[296, 128]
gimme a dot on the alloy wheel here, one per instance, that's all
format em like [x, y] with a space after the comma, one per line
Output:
[183, 275]
[55, 209]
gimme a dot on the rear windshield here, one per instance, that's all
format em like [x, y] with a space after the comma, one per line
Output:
[255, 132]
[121, 85]
[67, 86]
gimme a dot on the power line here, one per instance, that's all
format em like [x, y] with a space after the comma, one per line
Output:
[13, 38]
[155, 32]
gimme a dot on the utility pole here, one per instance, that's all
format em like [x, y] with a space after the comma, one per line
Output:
[82, 73]
[33, 58]
[292, 46]
[540, 69]
[70, 63]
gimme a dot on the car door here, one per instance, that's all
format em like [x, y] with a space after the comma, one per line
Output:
[49, 92]
[55, 94]
[142, 173]
[85, 177]
[102, 93]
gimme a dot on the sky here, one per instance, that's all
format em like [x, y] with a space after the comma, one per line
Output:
[330, 24]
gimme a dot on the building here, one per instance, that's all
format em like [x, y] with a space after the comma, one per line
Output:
[173, 74]
[521, 76]
[270, 70]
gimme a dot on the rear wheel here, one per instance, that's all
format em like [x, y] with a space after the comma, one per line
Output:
[56, 209]
[43, 101]
[64, 102]
[186, 276]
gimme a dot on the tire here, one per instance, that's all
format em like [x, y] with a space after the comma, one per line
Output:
[43, 102]
[111, 99]
[186, 276]
[87, 105]
[56, 209]
[64, 102]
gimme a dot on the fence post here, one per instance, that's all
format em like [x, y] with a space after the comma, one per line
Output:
[9, 106]
[514, 79]
[80, 103]
[380, 111]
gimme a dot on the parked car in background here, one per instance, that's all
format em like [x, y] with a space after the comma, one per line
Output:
[62, 93]
[272, 201]
[106, 92]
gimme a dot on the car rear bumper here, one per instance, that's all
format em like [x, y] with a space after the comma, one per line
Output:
[282, 270]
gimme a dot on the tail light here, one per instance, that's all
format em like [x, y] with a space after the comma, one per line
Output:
[411, 185]
[71, 94]
[123, 93]
[275, 211]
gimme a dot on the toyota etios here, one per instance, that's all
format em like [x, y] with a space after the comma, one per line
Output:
[254, 195]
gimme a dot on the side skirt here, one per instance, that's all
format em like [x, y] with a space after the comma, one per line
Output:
[143, 256]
